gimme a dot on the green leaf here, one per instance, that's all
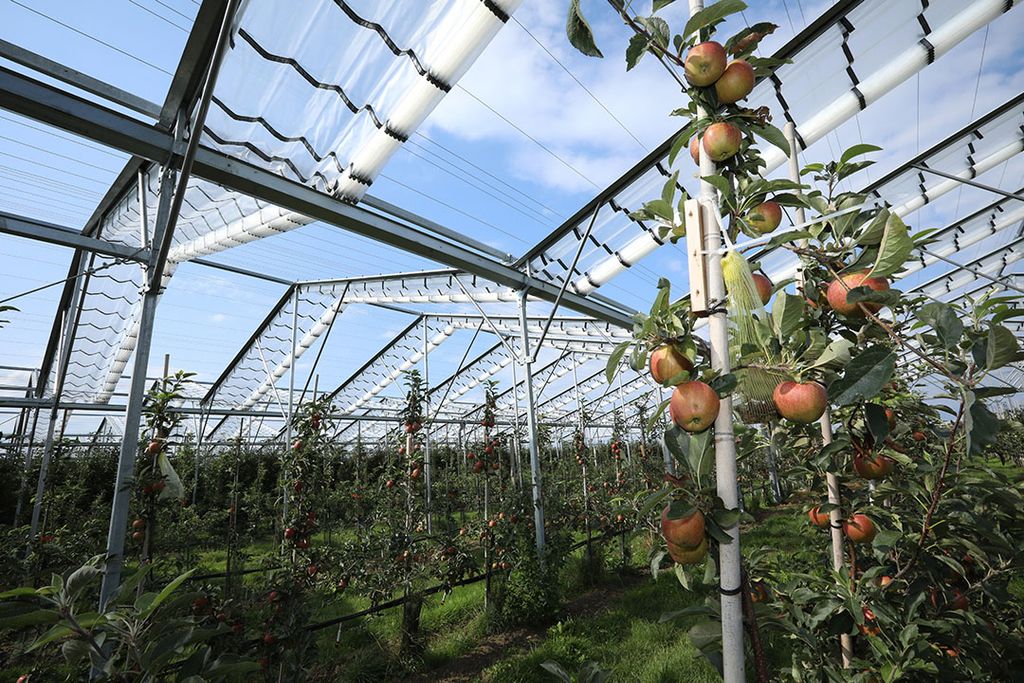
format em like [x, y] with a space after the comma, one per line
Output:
[787, 314]
[578, 31]
[875, 229]
[723, 384]
[787, 237]
[773, 135]
[1001, 348]
[658, 4]
[712, 14]
[682, 576]
[155, 603]
[614, 360]
[944, 321]
[857, 150]
[636, 50]
[836, 354]
[719, 182]
[980, 425]
[865, 376]
[20, 616]
[878, 423]
[894, 248]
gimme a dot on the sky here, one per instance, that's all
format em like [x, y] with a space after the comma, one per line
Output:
[530, 133]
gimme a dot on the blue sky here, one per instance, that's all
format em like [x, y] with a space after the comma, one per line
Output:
[523, 143]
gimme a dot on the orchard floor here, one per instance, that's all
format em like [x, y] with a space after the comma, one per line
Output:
[615, 623]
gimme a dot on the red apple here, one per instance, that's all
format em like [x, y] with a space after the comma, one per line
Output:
[890, 416]
[764, 287]
[860, 529]
[919, 436]
[818, 518]
[667, 362]
[838, 289]
[765, 217]
[800, 402]
[687, 531]
[694, 406]
[683, 555]
[721, 140]
[872, 468]
[705, 63]
[735, 83]
[695, 149]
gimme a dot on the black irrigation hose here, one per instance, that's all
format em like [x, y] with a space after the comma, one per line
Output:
[226, 575]
[430, 591]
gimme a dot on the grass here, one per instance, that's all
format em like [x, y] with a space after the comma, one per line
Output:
[625, 639]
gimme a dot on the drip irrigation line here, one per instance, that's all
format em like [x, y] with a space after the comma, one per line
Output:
[91, 37]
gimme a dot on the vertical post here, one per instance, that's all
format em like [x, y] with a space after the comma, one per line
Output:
[427, 479]
[730, 573]
[531, 428]
[62, 364]
[136, 397]
[518, 433]
[291, 400]
[28, 457]
[831, 480]
[172, 194]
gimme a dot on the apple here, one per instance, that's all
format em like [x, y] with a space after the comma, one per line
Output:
[694, 406]
[802, 402]
[686, 532]
[683, 555]
[695, 149]
[735, 83]
[705, 63]
[139, 524]
[153, 447]
[765, 217]
[758, 592]
[818, 518]
[722, 140]
[289, 533]
[478, 466]
[872, 468]
[860, 529]
[838, 289]
[890, 417]
[919, 436]
[764, 287]
[667, 362]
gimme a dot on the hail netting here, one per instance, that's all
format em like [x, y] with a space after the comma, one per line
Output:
[394, 58]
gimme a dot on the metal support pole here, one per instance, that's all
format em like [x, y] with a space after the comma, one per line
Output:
[167, 213]
[62, 366]
[518, 440]
[291, 401]
[27, 463]
[426, 428]
[730, 571]
[133, 414]
[968, 181]
[832, 481]
[531, 427]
